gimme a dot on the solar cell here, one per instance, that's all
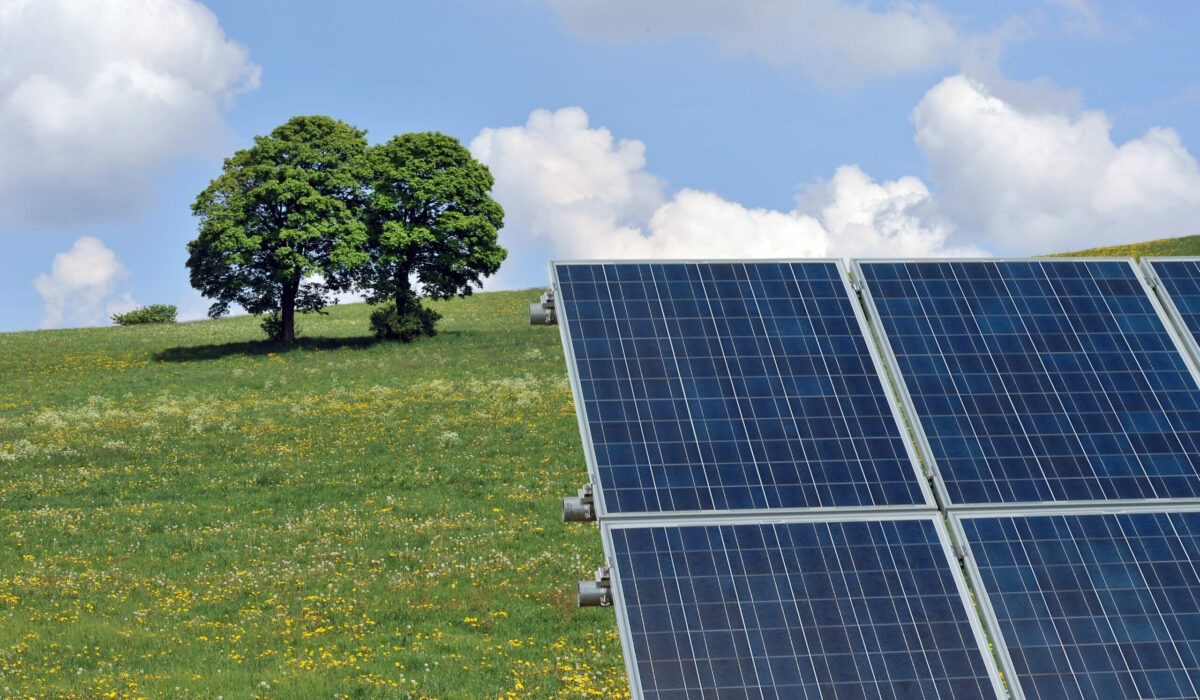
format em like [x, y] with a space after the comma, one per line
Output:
[730, 386]
[1179, 288]
[1040, 380]
[1092, 605]
[797, 609]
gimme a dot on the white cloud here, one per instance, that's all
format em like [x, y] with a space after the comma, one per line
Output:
[81, 287]
[1017, 176]
[1032, 181]
[572, 191]
[830, 40]
[95, 92]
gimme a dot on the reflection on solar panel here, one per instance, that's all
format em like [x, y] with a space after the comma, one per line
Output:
[834, 609]
[1041, 381]
[722, 386]
[1180, 278]
[1094, 605]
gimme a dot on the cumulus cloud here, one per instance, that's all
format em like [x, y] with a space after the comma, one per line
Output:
[1013, 176]
[1034, 181]
[95, 92]
[81, 287]
[573, 191]
[828, 39]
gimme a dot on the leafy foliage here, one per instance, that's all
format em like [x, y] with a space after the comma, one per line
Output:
[272, 326]
[414, 322]
[430, 218]
[155, 313]
[284, 212]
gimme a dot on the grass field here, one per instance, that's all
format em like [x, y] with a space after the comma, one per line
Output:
[187, 512]
[1187, 245]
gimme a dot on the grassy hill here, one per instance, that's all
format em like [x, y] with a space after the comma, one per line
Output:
[1187, 245]
[189, 512]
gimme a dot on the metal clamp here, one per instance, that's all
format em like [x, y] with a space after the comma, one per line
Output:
[597, 593]
[581, 508]
[541, 313]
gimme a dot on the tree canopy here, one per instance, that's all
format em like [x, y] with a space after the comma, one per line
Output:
[284, 213]
[311, 210]
[431, 220]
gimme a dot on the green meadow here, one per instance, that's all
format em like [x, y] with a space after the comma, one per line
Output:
[187, 511]
[1186, 245]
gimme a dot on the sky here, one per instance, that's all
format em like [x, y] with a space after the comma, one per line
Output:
[614, 128]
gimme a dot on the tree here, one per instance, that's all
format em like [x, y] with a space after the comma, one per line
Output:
[431, 221]
[281, 227]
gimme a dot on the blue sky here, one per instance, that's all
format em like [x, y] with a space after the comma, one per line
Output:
[615, 128]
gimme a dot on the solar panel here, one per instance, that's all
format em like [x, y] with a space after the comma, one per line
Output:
[730, 386]
[1040, 380]
[795, 608]
[1179, 289]
[1092, 605]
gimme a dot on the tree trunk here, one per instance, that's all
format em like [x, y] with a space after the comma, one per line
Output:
[404, 295]
[288, 313]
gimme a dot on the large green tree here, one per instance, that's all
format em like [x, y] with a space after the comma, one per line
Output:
[281, 229]
[432, 222]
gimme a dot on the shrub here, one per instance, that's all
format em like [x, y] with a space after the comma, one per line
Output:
[155, 313]
[272, 325]
[416, 321]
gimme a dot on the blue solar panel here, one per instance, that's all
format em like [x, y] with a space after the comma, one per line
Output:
[1041, 381]
[843, 609]
[1095, 605]
[726, 386]
[1181, 280]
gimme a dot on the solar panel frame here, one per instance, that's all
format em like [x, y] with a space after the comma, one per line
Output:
[970, 564]
[1167, 300]
[917, 428]
[876, 514]
[602, 512]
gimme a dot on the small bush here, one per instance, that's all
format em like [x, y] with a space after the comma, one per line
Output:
[417, 321]
[272, 325]
[155, 313]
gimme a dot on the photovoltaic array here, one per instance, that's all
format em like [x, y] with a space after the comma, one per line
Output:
[1036, 381]
[769, 528]
[833, 609]
[1179, 286]
[1094, 605]
[727, 386]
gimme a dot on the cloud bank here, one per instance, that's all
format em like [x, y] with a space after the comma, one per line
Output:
[573, 191]
[1034, 181]
[81, 287]
[829, 40]
[1007, 177]
[95, 93]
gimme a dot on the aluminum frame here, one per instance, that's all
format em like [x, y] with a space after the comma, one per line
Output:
[983, 596]
[637, 692]
[918, 429]
[602, 512]
[1168, 301]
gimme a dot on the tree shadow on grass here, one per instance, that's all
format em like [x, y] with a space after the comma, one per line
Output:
[193, 353]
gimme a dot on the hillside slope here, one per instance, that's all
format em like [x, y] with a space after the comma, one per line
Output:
[189, 512]
[1186, 245]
